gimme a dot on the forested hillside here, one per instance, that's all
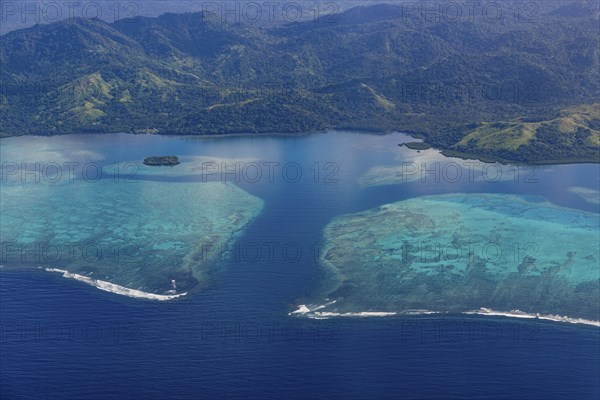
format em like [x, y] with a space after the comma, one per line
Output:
[372, 68]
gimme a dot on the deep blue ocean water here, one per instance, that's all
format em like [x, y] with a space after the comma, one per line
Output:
[234, 339]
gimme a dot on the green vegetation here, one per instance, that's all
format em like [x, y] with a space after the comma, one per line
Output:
[573, 135]
[417, 145]
[161, 161]
[370, 69]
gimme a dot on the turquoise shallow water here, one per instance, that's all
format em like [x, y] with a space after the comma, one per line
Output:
[461, 252]
[189, 166]
[87, 204]
[233, 338]
[150, 236]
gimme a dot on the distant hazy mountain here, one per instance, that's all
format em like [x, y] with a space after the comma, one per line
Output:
[26, 13]
[23, 14]
[381, 67]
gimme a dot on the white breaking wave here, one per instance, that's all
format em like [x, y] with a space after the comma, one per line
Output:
[521, 314]
[304, 310]
[325, 314]
[114, 288]
[301, 310]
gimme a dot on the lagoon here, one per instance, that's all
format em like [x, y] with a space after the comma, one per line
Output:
[243, 226]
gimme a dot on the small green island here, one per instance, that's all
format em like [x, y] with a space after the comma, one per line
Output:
[416, 145]
[161, 161]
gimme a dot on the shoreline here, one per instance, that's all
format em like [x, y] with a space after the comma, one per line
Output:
[449, 153]
[200, 135]
[489, 159]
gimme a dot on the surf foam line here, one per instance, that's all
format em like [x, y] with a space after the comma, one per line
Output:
[303, 310]
[521, 314]
[114, 288]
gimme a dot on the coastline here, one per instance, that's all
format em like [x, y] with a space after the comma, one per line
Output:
[488, 159]
[485, 158]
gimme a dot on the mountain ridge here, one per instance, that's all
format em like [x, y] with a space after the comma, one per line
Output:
[192, 74]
